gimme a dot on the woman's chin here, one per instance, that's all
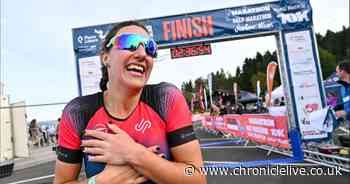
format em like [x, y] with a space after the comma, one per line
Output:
[136, 84]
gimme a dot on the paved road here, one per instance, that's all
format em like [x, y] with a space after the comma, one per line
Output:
[42, 174]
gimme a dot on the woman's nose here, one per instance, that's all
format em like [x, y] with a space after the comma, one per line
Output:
[140, 51]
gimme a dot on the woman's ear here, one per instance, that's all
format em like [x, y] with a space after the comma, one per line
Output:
[105, 60]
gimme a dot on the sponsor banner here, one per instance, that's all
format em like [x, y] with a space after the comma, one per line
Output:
[90, 70]
[320, 124]
[214, 24]
[304, 78]
[263, 129]
[88, 39]
[214, 123]
[266, 129]
[219, 123]
[208, 123]
[206, 26]
[233, 125]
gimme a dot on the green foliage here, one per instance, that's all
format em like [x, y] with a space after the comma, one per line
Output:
[337, 43]
[328, 62]
[333, 48]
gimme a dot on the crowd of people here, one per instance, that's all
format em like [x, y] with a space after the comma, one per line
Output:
[40, 136]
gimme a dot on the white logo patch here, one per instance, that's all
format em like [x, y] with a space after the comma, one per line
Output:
[143, 125]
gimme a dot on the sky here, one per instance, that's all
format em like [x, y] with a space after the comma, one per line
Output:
[37, 58]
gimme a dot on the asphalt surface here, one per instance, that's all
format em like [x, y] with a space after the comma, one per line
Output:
[42, 174]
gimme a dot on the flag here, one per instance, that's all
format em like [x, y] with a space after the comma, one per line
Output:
[271, 70]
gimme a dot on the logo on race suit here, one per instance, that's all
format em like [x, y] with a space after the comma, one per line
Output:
[143, 125]
[296, 17]
[100, 34]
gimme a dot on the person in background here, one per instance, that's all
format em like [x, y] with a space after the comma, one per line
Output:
[58, 125]
[343, 72]
[342, 111]
[282, 103]
[51, 132]
[35, 132]
[332, 99]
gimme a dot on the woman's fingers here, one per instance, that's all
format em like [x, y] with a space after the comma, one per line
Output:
[92, 143]
[154, 148]
[115, 129]
[140, 179]
[97, 134]
[162, 155]
[93, 150]
[97, 158]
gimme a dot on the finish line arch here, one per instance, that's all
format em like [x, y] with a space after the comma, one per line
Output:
[290, 21]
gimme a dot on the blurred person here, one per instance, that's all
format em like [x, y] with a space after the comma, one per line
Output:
[343, 72]
[282, 103]
[34, 130]
[45, 135]
[58, 125]
[126, 122]
[276, 102]
[332, 99]
[51, 132]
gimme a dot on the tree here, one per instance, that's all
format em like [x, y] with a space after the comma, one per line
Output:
[328, 62]
[262, 78]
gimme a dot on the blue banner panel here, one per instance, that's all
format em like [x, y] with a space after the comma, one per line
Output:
[211, 25]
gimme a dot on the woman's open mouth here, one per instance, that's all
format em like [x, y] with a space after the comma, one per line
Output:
[136, 69]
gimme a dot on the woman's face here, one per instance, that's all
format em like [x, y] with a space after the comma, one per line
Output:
[123, 63]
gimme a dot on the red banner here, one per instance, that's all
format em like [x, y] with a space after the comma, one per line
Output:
[264, 129]
[233, 125]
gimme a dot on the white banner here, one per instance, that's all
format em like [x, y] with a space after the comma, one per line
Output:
[90, 74]
[304, 81]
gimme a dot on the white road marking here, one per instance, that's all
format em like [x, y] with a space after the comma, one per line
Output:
[226, 147]
[33, 179]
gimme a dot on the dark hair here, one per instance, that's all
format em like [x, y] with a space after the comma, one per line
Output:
[33, 123]
[105, 49]
[345, 65]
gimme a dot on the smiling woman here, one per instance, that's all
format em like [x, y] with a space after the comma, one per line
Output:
[130, 127]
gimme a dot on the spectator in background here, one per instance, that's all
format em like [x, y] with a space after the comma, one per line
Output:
[43, 131]
[343, 72]
[58, 125]
[331, 99]
[282, 103]
[51, 132]
[276, 102]
[35, 132]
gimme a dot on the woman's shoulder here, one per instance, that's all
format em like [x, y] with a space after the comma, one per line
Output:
[84, 103]
[160, 97]
[163, 88]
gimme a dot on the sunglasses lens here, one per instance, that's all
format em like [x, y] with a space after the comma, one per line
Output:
[132, 42]
[127, 42]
